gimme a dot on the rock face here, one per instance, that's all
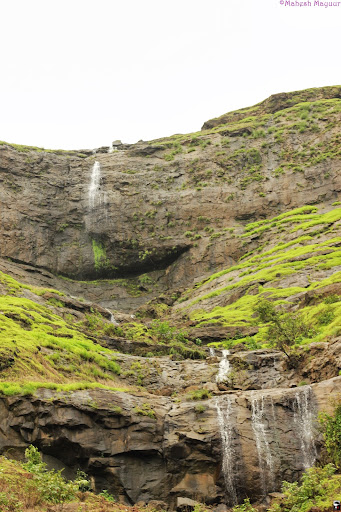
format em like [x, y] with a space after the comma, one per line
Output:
[163, 222]
[142, 448]
[158, 206]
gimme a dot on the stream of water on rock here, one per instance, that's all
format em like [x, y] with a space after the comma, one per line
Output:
[224, 413]
[94, 187]
[224, 367]
[260, 427]
[112, 317]
[304, 420]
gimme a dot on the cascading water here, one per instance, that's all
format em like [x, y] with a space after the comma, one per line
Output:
[304, 420]
[261, 433]
[112, 317]
[224, 367]
[212, 351]
[224, 413]
[94, 187]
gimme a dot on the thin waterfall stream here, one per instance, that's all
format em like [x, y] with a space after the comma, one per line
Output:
[260, 427]
[224, 367]
[224, 414]
[304, 418]
[95, 184]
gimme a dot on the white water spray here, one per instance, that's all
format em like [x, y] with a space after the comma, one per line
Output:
[94, 187]
[112, 317]
[224, 413]
[212, 351]
[261, 433]
[224, 367]
[304, 421]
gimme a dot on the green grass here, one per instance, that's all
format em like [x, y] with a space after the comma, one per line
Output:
[260, 273]
[38, 346]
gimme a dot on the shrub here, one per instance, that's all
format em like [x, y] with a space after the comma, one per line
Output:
[331, 428]
[8, 501]
[244, 507]
[326, 317]
[285, 329]
[317, 484]
[105, 494]
[331, 299]
[51, 485]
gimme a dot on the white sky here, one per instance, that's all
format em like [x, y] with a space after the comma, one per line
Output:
[79, 74]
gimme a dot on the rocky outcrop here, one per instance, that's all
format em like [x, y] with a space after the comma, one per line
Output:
[144, 448]
[156, 228]
[158, 206]
[275, 103]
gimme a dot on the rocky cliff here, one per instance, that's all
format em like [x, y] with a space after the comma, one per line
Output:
[232, 446]
[157, 206]
[129, 281]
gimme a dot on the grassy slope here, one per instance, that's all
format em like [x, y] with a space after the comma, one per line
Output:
[300, 247]
[41, 348]
[39, 343]
[45, 344]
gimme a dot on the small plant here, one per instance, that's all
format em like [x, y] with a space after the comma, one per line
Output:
[109, 497]
[326, 317]
[200, 394]
[116, 410]
[82, 481]
[244, 507]
[145, 410]
[331, 299]
[200, 408]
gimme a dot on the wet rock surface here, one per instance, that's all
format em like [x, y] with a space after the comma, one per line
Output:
[174, 449]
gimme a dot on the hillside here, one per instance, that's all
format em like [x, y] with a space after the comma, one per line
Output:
[132, 343]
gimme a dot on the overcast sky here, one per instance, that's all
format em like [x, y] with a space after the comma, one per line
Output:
[79, 74]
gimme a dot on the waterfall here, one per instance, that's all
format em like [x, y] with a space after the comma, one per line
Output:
[224, 367]
[212, 351]
[261, 433]
[111, 149]
[224, 410]
[112, 317]
[94, 187]
[304, 420]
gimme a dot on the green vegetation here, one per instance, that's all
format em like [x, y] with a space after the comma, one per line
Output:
[318, 488]
[200, 394]
[331, 427]
[285, 330]
[170, 340]
[41, 349]
[26, 149]
[30, 487]
[100, 257]
[300, 242]
[145, 410]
